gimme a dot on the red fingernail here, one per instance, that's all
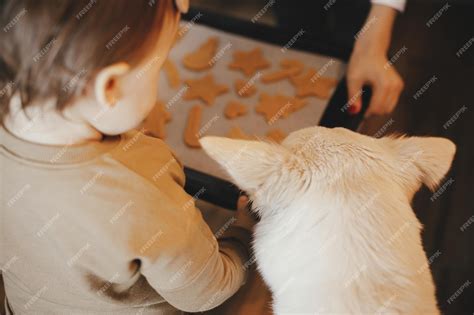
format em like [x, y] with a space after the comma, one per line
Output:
[353, 109]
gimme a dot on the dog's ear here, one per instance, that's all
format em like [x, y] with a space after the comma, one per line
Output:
[249, 163]
[431, 156]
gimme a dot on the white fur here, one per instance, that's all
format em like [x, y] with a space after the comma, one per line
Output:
[337, 233]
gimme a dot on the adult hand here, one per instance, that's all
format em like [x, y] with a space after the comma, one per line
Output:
[369, 65]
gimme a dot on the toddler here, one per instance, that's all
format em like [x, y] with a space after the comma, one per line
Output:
[94, 218]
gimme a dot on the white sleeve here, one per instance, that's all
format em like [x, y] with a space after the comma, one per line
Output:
[396, 4]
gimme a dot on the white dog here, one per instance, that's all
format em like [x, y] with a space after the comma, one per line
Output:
[337, 233]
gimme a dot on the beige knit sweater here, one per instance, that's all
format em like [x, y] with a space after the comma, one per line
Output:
[106, 228]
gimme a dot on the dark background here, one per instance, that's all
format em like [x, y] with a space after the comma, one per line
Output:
[431, 51]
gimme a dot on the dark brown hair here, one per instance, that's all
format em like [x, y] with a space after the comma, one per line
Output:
[50, 48]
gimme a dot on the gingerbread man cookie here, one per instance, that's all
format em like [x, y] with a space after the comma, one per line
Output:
[205, 89]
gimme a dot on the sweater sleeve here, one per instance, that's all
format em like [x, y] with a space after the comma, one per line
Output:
[396, 4]
[177, 252]
[191, 270]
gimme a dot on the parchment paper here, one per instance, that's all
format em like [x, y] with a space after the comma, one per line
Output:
[213, 116]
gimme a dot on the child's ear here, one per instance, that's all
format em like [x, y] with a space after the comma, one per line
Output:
[107, 87]
[431, 156]
[249, 163]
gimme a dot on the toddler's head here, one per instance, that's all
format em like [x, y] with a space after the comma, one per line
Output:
[98, 60]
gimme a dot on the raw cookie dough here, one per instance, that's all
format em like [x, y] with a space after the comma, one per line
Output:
[244, 88]
[201, 59]
[249, 62]
[275, 106]
[235, 109]
[205, 89]
[276, 135]
[155, 123]
[192, 127]
[172, 73]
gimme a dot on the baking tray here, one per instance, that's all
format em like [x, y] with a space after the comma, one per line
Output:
[203, 176]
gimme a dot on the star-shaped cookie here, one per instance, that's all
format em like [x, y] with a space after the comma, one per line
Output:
[244, 88]
[312, 84]
[205, 89]
[275, 106]
[249, 61]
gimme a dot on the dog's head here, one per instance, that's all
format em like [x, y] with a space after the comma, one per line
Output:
[319, 162]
